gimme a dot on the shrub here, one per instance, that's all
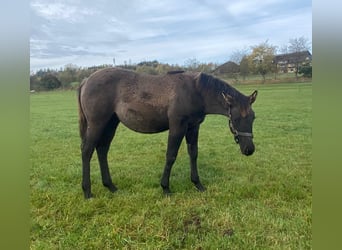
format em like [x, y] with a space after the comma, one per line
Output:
[306, 70]
[50, 82]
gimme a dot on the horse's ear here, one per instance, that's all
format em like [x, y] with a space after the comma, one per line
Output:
[253, 97]
[227, 98]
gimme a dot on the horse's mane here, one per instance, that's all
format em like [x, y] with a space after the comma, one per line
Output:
[217, 86]
[171, 72]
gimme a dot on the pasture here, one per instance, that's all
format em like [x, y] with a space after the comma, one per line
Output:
[259, 202]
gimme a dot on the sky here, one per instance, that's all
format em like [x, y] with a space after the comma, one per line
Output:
[87, 33]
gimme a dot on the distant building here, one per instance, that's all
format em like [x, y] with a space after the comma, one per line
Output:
[227, 68]
[289, 62]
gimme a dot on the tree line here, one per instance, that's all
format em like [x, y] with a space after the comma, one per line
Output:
[256, 60]
[71, 75]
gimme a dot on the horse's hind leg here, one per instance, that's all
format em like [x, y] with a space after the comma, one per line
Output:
[87, 149]
[102, 149]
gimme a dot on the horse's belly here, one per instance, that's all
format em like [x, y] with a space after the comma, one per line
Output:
[144, 119]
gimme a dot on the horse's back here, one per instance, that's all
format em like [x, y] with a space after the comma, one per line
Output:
[140, 101]
[126, 83]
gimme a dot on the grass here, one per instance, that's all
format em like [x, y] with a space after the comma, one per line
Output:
[259, 202]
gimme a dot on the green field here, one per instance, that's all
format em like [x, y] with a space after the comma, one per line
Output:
[259, 202]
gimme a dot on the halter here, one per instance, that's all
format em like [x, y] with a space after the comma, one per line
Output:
[235, 132]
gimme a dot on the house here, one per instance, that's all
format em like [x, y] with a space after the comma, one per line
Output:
[227, 68]
[289, 62]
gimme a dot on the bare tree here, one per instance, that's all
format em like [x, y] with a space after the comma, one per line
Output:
[192, 64]
[296, 46]
[284, 49]
[237, 55]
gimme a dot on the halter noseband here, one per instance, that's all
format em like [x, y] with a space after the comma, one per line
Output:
[235, 132]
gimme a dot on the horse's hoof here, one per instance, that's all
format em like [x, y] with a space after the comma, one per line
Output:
[112, 188]
[88, 196]
[167, 192]
[200, 187]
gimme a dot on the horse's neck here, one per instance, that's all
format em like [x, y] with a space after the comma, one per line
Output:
[215, 102]
[212, 90]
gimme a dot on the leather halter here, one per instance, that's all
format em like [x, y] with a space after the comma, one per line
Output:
[235, 132]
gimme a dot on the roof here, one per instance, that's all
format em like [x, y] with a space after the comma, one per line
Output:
[293, 57]
[228, 67]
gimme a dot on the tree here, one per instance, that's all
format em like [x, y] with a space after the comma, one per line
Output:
[192, 64]
[68, 75]
[50, 82]
[261, 59]
[34, 82]
[284, 49]
[306, 70]
[297, 45]
[238, 55]
[244, 68]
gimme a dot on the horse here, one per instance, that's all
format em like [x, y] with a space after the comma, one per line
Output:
[177, 101]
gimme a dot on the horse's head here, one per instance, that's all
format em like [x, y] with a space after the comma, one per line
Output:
[241, 117]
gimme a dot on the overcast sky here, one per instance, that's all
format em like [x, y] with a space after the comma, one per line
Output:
[88, 33]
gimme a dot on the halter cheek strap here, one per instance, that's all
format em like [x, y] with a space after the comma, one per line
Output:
[235, 132]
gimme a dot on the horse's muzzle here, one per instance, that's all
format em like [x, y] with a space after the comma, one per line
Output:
[248, 150]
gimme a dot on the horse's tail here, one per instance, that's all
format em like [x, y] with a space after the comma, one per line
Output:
[82, 120]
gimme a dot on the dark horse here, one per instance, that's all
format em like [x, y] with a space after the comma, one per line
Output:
[177, 101]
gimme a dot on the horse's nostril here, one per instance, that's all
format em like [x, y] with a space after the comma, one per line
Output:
[248, 151]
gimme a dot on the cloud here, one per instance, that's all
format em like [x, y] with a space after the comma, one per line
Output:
[251, 7]
[61, 11]
[83, 32]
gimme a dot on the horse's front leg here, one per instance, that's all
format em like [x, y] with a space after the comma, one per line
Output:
[192, 143]
[174, 140]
